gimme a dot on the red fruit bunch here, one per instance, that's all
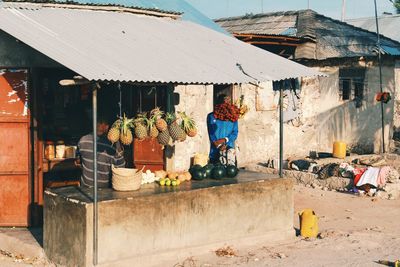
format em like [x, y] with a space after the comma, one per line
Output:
[227, 112]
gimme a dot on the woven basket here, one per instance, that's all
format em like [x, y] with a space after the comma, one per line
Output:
[124, 179]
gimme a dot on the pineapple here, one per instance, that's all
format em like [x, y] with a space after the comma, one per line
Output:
[153, 132]
[126, 137]
[151, 125]
[160, 123]
[114, 133]
[188, 125]
[140, 126]
[164, 137]
[182, 136]
[174, 130]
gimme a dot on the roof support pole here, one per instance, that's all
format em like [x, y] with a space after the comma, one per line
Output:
[281, 129]
[343, 10]
[378, 43]
[95, 205]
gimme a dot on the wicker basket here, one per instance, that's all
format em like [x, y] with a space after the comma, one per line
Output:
[124, 179]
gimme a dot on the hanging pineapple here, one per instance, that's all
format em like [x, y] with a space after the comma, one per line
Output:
[151, 126]
[160, 123]
[140, 126]
[126, 136]
[163, 137]
[188, 124]
[177, 134]
[114, 133]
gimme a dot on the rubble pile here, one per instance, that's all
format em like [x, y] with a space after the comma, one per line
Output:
[370, 175]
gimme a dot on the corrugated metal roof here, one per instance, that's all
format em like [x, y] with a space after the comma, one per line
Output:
[117, 46]
[388, 25]
[280, 23]
[189, 13]
[333, 38]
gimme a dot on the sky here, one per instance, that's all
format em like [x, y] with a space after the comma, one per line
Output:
[332, 8]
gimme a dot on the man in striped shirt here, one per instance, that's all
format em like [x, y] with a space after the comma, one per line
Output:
[107, 154]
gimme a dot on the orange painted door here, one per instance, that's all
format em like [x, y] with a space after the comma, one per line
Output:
[148, 154]
[14, 148]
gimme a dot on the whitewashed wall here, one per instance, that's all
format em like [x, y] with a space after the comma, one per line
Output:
[325, 118]
[196, 101]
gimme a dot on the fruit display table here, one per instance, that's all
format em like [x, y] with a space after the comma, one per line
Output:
[157, 222]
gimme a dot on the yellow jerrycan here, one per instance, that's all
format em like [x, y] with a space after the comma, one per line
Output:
[339, 150]
[308, 223]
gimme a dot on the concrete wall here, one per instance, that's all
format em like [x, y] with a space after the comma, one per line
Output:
[396, 120]
[15, 54]
[141, 229]
[196, 101]
[335, 119]
[65, 230]
[324, 118]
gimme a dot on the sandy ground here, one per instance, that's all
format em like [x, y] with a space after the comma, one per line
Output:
[357, 231]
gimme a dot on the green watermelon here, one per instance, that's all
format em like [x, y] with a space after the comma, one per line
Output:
[218, 172]
[195, 167]
[231, 171]
[198, 174]
[208, 169]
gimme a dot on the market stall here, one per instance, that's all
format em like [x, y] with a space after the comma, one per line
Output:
[137, 53]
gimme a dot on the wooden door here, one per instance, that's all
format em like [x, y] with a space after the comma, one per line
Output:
[149, 154]
[14, 148]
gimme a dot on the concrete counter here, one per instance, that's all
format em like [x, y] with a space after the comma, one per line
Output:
[153, 225]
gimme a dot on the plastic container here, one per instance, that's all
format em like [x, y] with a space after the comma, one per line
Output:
[70, 152]
[60, 150]
[49, 150]
[308, 223]
[339, 150]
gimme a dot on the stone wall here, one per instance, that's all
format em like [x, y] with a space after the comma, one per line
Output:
[324, 117]
[335, 119]
[196, 101]
[396, 98]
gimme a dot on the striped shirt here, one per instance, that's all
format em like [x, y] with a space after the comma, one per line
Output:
[106, 155]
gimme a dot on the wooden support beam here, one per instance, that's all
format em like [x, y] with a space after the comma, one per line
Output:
[264, 36]
[271, 43]
[77, 80]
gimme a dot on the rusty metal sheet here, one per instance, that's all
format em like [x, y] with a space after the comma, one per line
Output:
[13, 137]
[13, 93]
[14, 148]
[14, 200]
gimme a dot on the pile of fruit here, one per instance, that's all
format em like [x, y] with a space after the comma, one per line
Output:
[149, 177]
[217, 171]
[172, 178]
[166, 127]
[121, 130]
[227, 112]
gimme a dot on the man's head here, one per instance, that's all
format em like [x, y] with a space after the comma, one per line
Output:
[103, 125]
[222, 98]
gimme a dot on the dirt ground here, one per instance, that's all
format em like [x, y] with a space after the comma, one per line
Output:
[356, 231]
